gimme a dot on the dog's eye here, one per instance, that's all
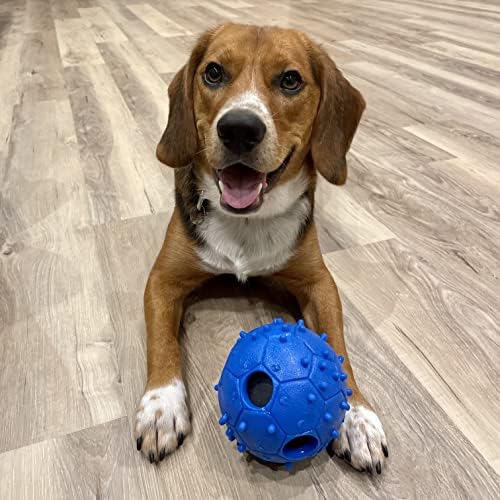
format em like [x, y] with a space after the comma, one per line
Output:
[214, 74]
[291, 82]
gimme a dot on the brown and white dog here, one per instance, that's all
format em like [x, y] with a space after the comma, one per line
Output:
[254, 115]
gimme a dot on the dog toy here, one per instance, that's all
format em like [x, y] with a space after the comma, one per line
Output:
[282, 393]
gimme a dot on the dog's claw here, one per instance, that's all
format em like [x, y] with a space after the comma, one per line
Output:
[385, 450]
[180, 439]
[139, 443]
[151, 457]
[378, 468]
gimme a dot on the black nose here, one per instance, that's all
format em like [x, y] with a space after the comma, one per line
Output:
[240, 130]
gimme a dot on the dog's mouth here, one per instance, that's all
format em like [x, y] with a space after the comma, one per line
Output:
[242, 188]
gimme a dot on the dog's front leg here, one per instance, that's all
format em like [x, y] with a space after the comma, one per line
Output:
[162, 419]
[362, 440]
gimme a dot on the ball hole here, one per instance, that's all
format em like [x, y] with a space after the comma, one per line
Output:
[259, 388]
[300, 447]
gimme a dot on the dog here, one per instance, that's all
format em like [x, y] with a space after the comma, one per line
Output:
[254, 115]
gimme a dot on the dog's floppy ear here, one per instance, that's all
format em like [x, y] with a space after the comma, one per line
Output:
[337, 118]
[179, 141]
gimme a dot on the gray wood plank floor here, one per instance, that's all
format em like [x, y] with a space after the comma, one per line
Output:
[413, 241]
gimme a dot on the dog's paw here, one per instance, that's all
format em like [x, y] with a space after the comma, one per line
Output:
[162, 421]
[362, 440]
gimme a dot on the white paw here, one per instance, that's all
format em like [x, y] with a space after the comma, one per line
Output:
[362, 440]
[162, 421]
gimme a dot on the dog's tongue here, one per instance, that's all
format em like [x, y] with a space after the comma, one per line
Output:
[241, 186]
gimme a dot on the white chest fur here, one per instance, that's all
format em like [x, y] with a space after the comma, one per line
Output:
[253, 246]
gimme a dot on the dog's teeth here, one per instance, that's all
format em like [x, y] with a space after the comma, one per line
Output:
[221, 186]
[260, 187]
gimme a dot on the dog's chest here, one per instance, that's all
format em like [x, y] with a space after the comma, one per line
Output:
[253, 246]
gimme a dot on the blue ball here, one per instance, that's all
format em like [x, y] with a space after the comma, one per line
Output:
[282, 392]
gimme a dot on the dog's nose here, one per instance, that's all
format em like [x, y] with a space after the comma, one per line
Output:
[240, 130]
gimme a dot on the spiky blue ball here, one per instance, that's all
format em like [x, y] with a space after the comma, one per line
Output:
[282, 392]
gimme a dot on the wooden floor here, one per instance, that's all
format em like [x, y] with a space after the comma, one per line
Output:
[413, 241]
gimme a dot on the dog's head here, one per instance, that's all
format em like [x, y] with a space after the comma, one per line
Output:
[247, 110]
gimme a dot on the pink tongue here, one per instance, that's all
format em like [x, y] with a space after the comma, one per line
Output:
[241, 186]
